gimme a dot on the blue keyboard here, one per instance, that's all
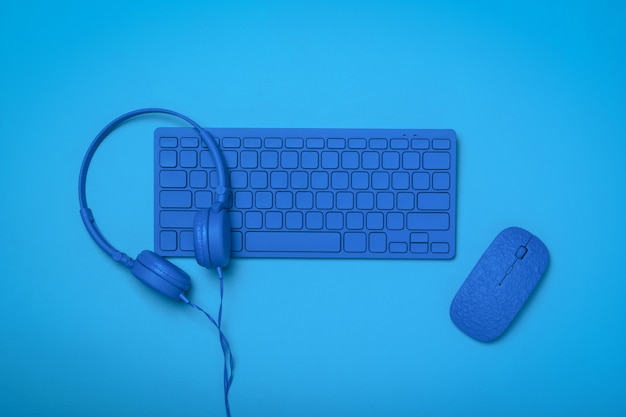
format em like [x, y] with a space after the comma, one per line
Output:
[313, 193]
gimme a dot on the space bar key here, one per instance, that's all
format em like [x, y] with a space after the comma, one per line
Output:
[293, 242]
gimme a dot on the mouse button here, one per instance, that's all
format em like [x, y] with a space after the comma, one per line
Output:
[496, 262]
[521, 252]
[516, 235]
[538, 253]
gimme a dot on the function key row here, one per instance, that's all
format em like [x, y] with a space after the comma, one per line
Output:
[311, 143]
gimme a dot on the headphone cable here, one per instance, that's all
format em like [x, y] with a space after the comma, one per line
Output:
[226, 350]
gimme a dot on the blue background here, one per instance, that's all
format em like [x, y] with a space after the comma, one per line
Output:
[535, 91]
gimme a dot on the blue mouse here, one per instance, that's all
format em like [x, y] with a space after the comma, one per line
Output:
[499, 285]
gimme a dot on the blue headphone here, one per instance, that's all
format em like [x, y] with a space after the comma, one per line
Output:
[212, 239]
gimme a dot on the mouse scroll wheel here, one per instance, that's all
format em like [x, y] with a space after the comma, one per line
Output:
[521, 252]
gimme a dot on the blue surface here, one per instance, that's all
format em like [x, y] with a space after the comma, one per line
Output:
[312, 193]
[535, 91]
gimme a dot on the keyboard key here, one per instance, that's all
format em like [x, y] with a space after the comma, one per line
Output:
[400, 180]
[405, 201]
[354, 242]
[399, 143]
[284, 200]
[230, 158]
[252, 143]
[378, 242]
[360, 180]
[173, 179]
[374, 221]
[238, 179]
[365, 201]
[324, 200]
[289, 159]
[168, 142]
[421, 181]
[254, 219]
[206, 160]
[315, 143]
[274, 220]
[441, 181]
[411, 160]
[355, 221]
[336, 143]
[293, 220]
[339, 180]
[324, 242]
[330, 160]
[243, 199]
[273, 143]
[419, 247]
[433, 201]
[177, 219]
[345, 200]
[258, 179]
[384, 201]
[264, 200]
[378, 143]
[249, 159]
[395, 221]
[370, 160]
[350, 160]
[169, 240]
[436, 160]
[441, 143]
[357, 143]
[440, 247]
[294, 143]
[391, 160]
[269, 159]
[189, 142]
[167, 159]
[279, 179]
[428, 221]
[380, 180]
[304, 200]
[299, 180]
[231, 143]
[419, 237]
[420, 144]
[334, 220]
[310, 160]
[175, 199]
[204, 199]
[398, 247]
[314, 220]
[198, 179]
[188, 159]
[319, 180]
[185, 240]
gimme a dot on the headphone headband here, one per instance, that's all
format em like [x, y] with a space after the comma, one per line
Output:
[221, 192]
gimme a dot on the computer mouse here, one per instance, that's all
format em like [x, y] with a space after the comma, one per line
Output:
[499, 285]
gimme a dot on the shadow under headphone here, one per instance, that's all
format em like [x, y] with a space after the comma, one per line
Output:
[211, 233]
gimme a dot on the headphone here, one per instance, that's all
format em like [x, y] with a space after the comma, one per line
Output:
[211, 231]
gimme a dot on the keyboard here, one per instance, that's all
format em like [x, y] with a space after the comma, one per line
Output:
[312, 193]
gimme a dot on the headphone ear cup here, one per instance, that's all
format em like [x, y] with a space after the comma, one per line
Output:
[212, 239]
[161, 275]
